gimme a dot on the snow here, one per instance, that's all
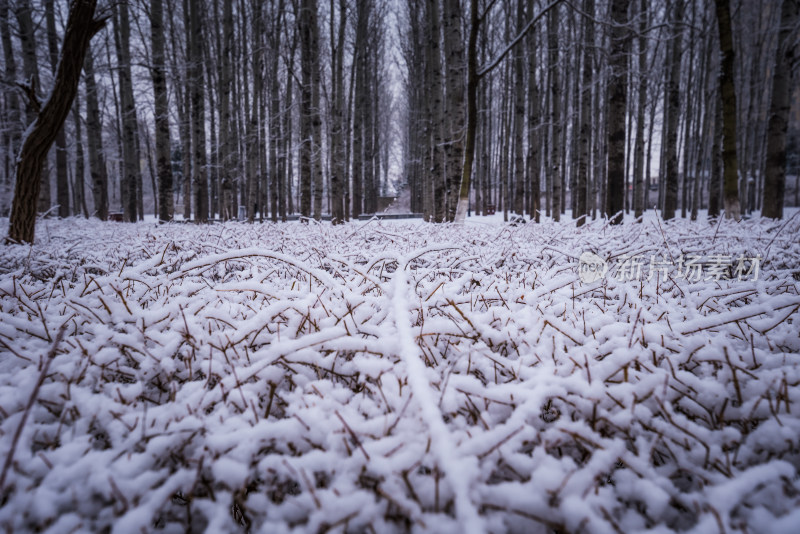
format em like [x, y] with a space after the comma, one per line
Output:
[390, 376]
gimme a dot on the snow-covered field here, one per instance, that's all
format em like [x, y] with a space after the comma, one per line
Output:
[401, 376]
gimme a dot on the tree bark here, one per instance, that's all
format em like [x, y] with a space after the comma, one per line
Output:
[585, 143]
[131, 172]
[81, 26]
[672, 112]
[94, 128]
[730, 164]
[639, 191]
[13, 117]
[62, 179]
[338, 131]
[305, 18]
[317, 160]
[555, 115]
[456, 109]
[435, 112]
[79, 198]
[30, 69]
[195, 74]
[616, 96]
[519, 118]
[166, 205]
[780, 105]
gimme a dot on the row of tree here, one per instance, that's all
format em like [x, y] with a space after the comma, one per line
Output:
[217, 108]
[587, 105]
[213, 107]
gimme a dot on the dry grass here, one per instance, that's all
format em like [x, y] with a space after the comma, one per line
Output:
[257, 376]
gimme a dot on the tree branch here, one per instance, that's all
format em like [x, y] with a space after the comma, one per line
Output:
[483, 71]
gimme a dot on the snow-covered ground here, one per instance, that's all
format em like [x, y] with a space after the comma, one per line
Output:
[400, 376]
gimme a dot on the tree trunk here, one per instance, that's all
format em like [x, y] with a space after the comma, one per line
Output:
[81, 26]
[94, 128]
[13, 118]
[639, 191]
[195, 75]
[435, 112]
[166, 206]
[456, 109]
[730, 164]
[780, 104]
[519, 118]
[317, 161]
[62, 180]
[131, 173]
[338, 131]
[581, 191]
[555, 115]
[30, 69]
[672, 113]
[305, 18]
[79, 197]
[534, 125]
[617, 102]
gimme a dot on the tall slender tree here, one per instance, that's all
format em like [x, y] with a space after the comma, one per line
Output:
[131, 172]
[62, 179]
[616, 95]
[730, 161]
[161, 110]
[195, 76]
[782, 82]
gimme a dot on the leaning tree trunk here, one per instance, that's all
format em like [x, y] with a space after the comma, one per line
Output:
[81, 26]
[785, 56]
[730, 163]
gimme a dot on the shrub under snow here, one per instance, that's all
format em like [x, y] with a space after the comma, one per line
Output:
[392, 377]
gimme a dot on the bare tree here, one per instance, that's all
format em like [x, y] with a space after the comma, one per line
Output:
[12, 119]
[199, 176]
[730, 162]
[97, 160]
[132, 176]
[640, 192]
[616, 96]
[62, 180]
[161, 109]
[672, 111]
[582, 184]
[32, 84]
[780, 104]
[81, 26]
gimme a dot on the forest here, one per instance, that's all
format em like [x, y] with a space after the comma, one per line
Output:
[393, 266]
[223, 109]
